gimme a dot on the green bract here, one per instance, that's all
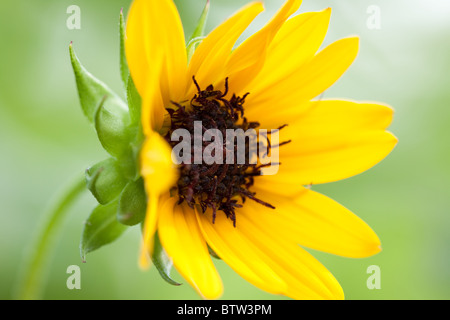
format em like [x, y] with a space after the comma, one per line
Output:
[197, 36]
[115, 182]
[162, 261]
[100, 228]
[132, 203]
[105, 180]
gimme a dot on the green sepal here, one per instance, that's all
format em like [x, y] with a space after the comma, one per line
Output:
[201, 24]
[198, 34]
[92, 91]
[134, 102]
[213, 253]
[134, 105]
[162, 262]
[192, 45]
[105, 180]
[110, 115]
[124, 72]
[114, 129]
[101, 228]
[132, 203]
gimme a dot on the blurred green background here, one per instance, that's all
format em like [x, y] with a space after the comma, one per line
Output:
[45, 141]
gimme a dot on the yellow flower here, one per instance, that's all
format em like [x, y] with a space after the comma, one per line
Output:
[273, 77]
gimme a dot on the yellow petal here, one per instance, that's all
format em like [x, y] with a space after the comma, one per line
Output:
[155, 207]
[334, 158]
[333, 140]
[182, 239]
[326, 117]
[247, 60]
[155, 26]
[295, 44]
[315, 221]
[152, 109]
[309, 80]
[285, 187]
[305, 276]
[159, 175]
[266, 259]
[207, 63]
[157, 168]
[242, 256]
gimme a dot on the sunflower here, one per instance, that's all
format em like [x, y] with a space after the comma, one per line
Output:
[255, 223]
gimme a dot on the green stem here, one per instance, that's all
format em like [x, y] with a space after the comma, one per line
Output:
[34, 269]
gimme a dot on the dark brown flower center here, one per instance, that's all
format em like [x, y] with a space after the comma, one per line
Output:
[217, 186]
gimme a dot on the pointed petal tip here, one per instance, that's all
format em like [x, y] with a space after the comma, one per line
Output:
[370, 247]
[213, 295]
[260, 4]
[340, 296]
[337, 293]
[352, 44]
[262, 7]
[144, 263]
[257, 5]
[394, 137]
[355, 38]
[370, 250]
[352, 39]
